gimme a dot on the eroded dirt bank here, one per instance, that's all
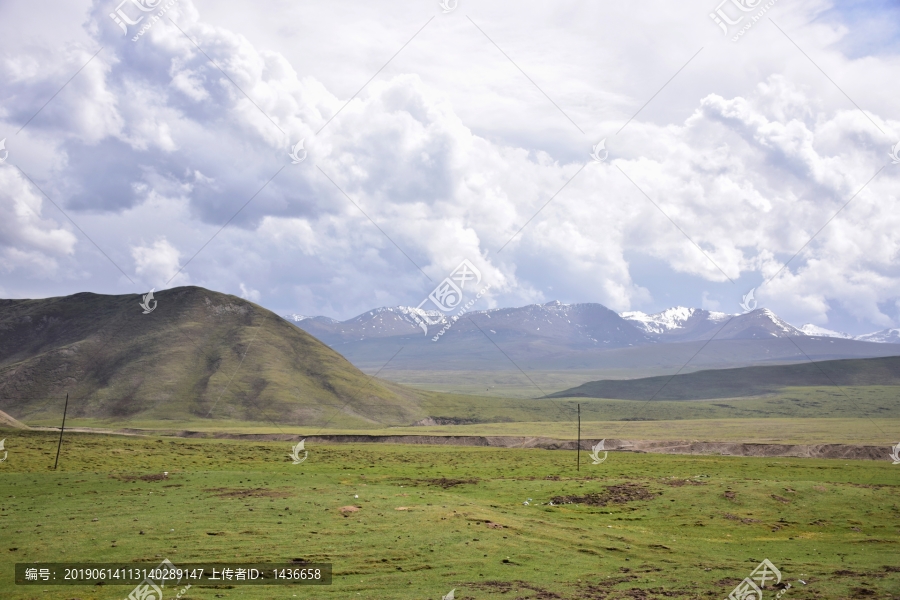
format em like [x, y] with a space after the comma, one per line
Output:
[839, 451]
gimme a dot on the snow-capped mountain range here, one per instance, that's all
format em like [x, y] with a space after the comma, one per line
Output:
[679, 318]
[885, 336]
[557, 336]
[587, 324]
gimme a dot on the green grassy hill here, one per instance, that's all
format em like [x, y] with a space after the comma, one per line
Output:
[200, 354]
[744, 381]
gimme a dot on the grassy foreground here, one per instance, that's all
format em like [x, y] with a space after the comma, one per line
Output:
[431, 519]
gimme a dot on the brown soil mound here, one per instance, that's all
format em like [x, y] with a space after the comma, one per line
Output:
[613, 494]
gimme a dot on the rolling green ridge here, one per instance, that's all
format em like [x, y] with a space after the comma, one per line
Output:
[200, 354]
[744, 381]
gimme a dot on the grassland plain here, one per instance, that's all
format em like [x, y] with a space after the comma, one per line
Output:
[850, 415]
[641, 526]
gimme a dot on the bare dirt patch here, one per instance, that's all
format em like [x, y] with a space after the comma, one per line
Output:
[488, 522]
[680, 482]
[505, 587]
[613, 494]
[745, 520]
[247, 493]
[441, 482]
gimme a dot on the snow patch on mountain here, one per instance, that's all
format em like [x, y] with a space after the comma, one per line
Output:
[885, 336]
[780, 323]
[816, 331]
[669, 319]
[295, 318]
[404, 312]
[672, 318]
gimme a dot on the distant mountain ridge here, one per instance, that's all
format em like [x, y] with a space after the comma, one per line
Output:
[587, 324]
[581, 323]
[554, 336]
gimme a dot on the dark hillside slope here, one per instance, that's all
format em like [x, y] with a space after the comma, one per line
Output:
[744, 381]
[199, 353]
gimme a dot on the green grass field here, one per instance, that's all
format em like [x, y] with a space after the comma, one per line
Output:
[660, 526]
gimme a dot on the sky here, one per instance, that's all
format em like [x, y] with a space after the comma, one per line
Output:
[725, 157]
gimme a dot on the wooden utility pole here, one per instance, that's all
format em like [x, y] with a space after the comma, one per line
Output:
[578, 453]
[65, 409]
